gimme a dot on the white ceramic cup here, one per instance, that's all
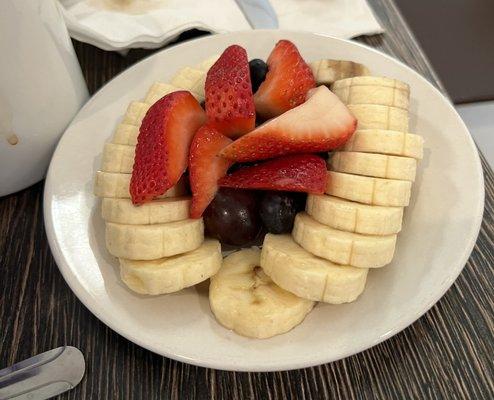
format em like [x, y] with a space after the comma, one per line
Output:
[41, 89]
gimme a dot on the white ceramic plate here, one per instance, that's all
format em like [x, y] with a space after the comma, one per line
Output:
[440, 228]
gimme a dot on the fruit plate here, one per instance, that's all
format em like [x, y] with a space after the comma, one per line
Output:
[440, 226]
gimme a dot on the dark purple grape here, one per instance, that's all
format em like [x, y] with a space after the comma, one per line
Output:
[258, 70]
[233, 217]
[278, 210]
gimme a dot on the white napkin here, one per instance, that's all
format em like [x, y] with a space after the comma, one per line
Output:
[340, 18]
[123, 24]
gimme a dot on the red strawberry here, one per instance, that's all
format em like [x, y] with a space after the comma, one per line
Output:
[229, 102]
[206, 167]
[287, 82]
[295, 173]
[163, 145]
[322, 123]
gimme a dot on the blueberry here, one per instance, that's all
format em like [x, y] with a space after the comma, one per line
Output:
[258, 70]
[278, 210]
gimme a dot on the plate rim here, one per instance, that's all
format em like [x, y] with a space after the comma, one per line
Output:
[400, 325]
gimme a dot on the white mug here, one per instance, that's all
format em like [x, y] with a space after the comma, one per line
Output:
[41, 89]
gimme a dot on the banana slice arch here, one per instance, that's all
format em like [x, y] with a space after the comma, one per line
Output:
[150, 242]
[244, 299]
[354, 217]
[300, 272]
[171, 274]
[346, 248]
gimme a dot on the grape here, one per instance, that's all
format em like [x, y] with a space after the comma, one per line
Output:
[258, 70]
[233, 217]
[278, 210]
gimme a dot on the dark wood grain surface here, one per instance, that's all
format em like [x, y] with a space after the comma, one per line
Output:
[446, 354]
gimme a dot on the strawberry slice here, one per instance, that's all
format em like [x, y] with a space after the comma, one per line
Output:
[206, 167]
[287, 82]
[229, 102]
[294, 173]
[163, 145]
[320, 124]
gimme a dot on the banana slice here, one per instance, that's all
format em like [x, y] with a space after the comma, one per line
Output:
[114, 185]
[149, 242]
[122, 211]
[375, 116]
[369, 190]
[118, 158]
[135, 113]
[126, 134]
[354, 217]
[158, 90]
[371, 81]
[373, 90]
[191, 79]
[386, 142]
[207, 63]
[377, 165]
[341, 247]
[310, 277]
[243, 298]
[171, 274]
[328, 71]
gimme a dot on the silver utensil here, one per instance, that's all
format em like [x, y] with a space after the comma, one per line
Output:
[259, 13]
[43, 376]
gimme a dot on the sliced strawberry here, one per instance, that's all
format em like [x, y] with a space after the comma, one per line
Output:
[294, 173]
[163, 145]
[206, 167]
[287, 82]
[322, 123]
[229, 102]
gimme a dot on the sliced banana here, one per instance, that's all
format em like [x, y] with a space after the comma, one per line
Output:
[328, 71]
[310, 277]
[191, 79]
[371, 81]
[126, 134]
[354, 217]
[207, 63]
[149, 242]
[118, 158]
[347, 248]
[122, 211]
[243, 298]
[171, 274]
[369, 190]
[135, 113]
[115, 185]
[386, 142]
[158, 90]
[375, 116]
[371, 164]
[373, 90]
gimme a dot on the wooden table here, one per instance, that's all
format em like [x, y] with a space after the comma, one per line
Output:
[446, 354]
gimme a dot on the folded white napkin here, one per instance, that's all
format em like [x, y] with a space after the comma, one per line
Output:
[124, 24]
[341, 18]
